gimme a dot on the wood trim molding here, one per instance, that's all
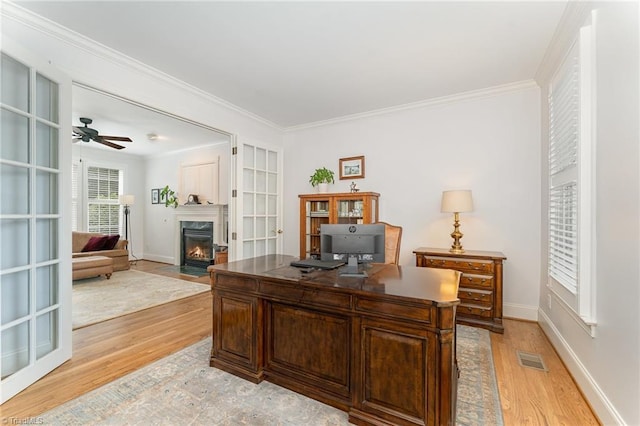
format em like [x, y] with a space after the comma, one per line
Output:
[458, 97]
[575, 16]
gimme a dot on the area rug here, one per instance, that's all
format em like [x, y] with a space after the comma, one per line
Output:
[98, 299]
[182, 389]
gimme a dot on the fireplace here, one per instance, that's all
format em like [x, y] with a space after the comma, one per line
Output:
[197, 247]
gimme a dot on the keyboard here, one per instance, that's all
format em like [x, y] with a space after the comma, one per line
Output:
[317, 263]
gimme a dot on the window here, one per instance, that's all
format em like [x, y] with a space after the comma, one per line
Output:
[103, 190]
[571, 167]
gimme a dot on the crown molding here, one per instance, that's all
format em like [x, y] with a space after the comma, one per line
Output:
[92, 47]
[575, 15]
[458, 97]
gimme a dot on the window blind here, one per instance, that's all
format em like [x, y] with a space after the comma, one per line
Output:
[103, 190]
[564, 140]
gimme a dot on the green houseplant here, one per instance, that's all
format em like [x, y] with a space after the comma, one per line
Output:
[321, 178]
[169, 196]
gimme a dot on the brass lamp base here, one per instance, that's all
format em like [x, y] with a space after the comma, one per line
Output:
[456, 247]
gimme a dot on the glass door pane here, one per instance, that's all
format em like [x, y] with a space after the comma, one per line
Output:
[31, 286]
[260, 201]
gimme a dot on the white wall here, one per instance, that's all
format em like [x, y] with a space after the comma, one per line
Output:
[489, 144]
[607, 366]
[161, 170]
[133, 167]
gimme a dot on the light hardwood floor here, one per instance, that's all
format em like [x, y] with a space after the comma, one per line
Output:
[106, 351]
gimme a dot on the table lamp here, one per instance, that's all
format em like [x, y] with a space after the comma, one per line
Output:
[456, 202]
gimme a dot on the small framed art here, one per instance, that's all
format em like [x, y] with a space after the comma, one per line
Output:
[155, 196]
[352, 167]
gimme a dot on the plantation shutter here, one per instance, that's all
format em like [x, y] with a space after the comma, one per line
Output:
[103, 190]
[564, 140]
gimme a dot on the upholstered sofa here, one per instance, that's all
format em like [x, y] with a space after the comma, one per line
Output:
[119, 254]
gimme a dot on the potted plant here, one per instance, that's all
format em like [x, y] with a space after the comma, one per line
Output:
[169, 196]
[322, 178]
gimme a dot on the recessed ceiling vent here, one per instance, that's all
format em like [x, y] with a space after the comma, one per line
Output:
[531, 361]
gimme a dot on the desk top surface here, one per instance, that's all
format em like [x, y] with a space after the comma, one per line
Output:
[437, 285]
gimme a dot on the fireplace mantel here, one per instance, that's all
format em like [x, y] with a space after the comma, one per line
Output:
[199, 213]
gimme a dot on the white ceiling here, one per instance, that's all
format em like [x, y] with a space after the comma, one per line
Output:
[116, 117]
[294, 63]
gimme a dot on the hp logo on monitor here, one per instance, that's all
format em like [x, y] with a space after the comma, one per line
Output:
[352, 229]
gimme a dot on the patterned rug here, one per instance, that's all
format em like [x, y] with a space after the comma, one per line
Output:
[182, 389]
[98, 299]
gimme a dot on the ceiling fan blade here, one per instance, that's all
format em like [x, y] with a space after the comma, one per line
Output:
[107, 143]
[75, 140]
[116, 138]
[78, 131]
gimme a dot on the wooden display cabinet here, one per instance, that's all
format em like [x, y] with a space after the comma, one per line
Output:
[332, 208]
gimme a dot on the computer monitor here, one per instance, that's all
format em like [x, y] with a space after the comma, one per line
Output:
[361, 243]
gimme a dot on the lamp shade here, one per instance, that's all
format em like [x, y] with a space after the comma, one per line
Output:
[457, 201]
[127, 200]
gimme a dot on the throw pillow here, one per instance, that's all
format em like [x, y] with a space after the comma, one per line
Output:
[95, 243]
[110, 242]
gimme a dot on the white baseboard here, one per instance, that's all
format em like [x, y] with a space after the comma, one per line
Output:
[597, 399]
[523, 312]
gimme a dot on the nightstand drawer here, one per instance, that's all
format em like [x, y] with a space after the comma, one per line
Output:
[475, 297]
[462, 265]
[474, 310]
[478, 281]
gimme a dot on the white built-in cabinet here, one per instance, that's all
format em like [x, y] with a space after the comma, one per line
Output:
[202, 180]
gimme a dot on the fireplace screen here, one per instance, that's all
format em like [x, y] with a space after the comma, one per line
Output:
[197, 244]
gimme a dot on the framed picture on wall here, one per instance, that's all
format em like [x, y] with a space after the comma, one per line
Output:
[352, 167]
[155, 196]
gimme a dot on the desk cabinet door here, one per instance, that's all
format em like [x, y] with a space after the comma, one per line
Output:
[310, 346]
[394, 361]
[237, 336]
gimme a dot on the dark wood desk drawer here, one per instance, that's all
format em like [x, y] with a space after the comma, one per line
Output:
[299, 294]
[233, 282]
[397, 310]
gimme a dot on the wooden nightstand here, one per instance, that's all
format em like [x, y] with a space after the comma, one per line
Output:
[480, 291]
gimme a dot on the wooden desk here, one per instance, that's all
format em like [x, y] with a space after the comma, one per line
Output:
[381, 348]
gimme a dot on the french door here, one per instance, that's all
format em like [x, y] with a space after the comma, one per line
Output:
[35, 231]
[256, 200]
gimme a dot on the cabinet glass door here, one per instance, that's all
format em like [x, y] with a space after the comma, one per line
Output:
[317, 215]
[351, 211]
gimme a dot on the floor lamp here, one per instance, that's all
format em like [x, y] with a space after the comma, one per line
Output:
[126, 201]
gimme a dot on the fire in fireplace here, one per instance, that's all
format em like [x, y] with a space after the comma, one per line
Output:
[197, 244]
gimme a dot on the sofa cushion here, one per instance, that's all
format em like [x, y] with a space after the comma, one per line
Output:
[95, 243]
[111, 242]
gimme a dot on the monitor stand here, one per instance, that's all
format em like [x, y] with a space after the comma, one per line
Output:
[351, 269]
